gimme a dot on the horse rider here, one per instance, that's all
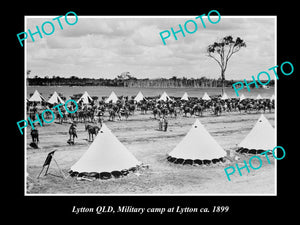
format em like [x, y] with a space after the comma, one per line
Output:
[73, 128]
[34, 135]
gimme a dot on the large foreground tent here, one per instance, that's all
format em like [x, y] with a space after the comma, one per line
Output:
[113, 98]
[197, 147]
[260, 138]
[106, 157]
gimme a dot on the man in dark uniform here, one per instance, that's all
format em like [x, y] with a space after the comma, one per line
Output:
[165, 123]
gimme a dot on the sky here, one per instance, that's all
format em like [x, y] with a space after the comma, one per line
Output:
[104, 47]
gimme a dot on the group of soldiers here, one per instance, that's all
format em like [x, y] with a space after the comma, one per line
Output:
[163, 124]
[193, 107]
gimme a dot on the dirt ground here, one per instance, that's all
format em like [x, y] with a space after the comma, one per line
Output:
[150, 146]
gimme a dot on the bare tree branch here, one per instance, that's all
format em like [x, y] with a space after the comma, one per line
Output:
[209, 55]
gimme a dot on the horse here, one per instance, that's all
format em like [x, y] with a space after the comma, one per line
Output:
[217, 110]
[90, 115]
[112, 114]
[186, 110]
[197, 110]
[144, 108]
[92, 130]
[172, 111]
[249, 107]
[240, 107]
[72, 133]
[131, 109]
[34, 135]
[35, 138]
[123, 112]
[261, 106]
[81, 115]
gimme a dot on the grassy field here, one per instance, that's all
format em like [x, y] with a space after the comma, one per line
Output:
[139, 134]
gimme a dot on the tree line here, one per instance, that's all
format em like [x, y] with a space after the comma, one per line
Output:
[173, 82]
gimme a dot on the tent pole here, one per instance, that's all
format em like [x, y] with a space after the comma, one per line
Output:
[59, 168]
[40, 172]
[47, 169]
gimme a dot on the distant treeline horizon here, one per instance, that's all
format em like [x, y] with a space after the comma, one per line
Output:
[134, 82]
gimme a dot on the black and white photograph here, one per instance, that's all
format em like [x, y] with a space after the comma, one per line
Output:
[151, 105]
[184, 111]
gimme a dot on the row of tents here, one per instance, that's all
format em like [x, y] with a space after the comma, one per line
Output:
[107, 155]
[86, 98]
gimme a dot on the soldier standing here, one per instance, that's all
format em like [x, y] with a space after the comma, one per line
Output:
[165, 123]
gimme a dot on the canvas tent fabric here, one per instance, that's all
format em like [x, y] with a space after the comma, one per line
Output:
[37, 97]
[224, 96]
[258, 97]
[113, 97]
[260, 138]
[198, 144]
[85, 98]
[185, 97]
[242, 97]
[164, 97]
[139, 97]
[206, 97]
[105, 155]
[55, 99]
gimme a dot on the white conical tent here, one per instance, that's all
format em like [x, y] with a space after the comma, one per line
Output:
[198, 144]
[113, 97]
[242, 97]
[261, 137]
[224, 96]
[105, 154]
[37, 97]
[139, 97]
[164, 97]
[55, 99]
[206, 97]
[258, 97]
[85, 98]
[185, 97]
